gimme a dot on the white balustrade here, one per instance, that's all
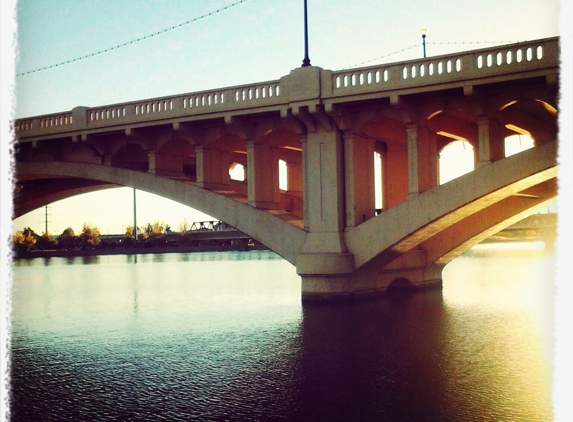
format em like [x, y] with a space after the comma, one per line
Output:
[454, 67]
[468, 64]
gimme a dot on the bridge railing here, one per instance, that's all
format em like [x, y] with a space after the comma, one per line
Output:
[422, 73]
[212, 101]
[469, 65]
[47, 123]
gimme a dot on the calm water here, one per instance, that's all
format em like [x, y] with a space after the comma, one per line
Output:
[224, 337]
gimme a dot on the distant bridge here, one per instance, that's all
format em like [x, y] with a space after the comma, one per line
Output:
[326, 126]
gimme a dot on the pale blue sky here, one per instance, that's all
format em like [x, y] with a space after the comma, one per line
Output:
[250, 41]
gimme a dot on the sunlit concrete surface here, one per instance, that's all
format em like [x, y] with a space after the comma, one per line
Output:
[360, 204]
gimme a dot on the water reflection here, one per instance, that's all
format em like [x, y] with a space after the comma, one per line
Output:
[224, 337]
[90, 259]
[158, 257]
[372, 360]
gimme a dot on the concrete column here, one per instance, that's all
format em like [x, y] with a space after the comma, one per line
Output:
[262, 175]
[163, 164]
[422, 172]
[294, 178]
[305, 185]
[359, 179]
[151, 155]
[395, 174]
[212, 168]
[324, 265]
[491, 142]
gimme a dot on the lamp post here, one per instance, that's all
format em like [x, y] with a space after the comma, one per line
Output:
[424, 31]
[306, 60]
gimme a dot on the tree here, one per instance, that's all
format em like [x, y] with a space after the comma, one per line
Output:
[184, 227]
[90, 236]
[156, 229]
[142, 232]
[129, 232]
[24, 240]
[67, 239]
[45, 241]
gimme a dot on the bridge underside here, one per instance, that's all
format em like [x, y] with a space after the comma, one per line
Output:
[379, 254]
[33, 194]
[435, 227]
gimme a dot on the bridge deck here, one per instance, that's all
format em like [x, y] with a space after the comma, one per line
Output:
[513, 61]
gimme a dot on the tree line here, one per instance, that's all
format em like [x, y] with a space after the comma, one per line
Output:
[151, 234]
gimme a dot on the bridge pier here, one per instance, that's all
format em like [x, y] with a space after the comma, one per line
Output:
[332, 277]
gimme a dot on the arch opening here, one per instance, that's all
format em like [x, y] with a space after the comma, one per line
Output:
[455, 159]
[283, 175]
[515, 144]
[378, 182]
[237, 172]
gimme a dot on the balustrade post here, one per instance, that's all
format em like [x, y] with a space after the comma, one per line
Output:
[80, 117]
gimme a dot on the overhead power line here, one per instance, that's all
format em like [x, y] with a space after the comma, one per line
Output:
[125, 44]
[428, 43]
[472, 42]
[382, 57]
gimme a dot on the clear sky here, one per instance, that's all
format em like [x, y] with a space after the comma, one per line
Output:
[246, 41]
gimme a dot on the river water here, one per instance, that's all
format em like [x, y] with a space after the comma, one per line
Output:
[224, 337]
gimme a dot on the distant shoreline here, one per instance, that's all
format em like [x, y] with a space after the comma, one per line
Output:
[63, 253]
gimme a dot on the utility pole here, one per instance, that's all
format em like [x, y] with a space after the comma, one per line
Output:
[135, 222]
[134, 217]
[46, 219]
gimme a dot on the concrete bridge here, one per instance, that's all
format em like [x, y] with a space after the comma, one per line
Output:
[326, 126]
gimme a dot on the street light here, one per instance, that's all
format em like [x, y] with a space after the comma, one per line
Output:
[424, 31]
[306, 60]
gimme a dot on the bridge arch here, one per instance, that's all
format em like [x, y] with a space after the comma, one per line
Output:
[80, 152]
[131, 156]
[532, 117]
[174, 157]
[275, 230]
[490, 196]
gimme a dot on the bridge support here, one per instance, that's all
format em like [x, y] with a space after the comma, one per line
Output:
[333, 278]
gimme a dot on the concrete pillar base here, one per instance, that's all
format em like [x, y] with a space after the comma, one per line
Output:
[364, 284]
[325, 276]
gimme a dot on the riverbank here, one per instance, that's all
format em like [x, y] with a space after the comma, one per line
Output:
[133, 251]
